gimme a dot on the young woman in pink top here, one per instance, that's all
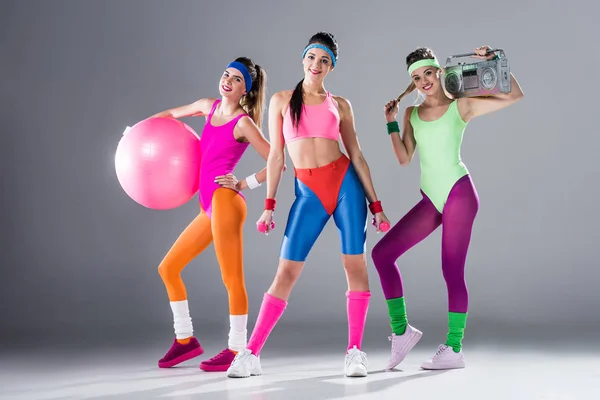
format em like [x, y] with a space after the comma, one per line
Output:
[232, 123]
[311, 121]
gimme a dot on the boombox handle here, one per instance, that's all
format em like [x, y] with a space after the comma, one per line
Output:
[502, 55]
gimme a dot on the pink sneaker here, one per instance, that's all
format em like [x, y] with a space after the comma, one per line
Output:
[220, 362]
[179, 353]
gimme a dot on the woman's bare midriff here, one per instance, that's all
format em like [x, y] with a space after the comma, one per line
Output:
[313, 152]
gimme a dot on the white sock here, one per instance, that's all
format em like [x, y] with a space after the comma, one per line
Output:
[182, 322]
[237, 332]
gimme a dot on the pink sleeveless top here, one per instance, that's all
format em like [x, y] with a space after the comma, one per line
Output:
[220, 153]
[317, 121]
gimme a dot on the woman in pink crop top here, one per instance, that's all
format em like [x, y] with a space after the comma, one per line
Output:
[232, 123]
[327, 182]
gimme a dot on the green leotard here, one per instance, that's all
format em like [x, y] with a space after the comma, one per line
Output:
[439, 145]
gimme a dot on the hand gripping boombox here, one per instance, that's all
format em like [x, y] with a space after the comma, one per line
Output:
[478, 78]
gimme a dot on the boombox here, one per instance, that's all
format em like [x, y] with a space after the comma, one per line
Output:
[478, 78]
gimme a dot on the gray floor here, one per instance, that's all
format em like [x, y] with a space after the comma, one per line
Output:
[545, 369]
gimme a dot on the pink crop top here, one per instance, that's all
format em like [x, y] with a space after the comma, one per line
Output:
[317, 121]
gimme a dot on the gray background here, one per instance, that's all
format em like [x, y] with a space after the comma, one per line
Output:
[79, 257]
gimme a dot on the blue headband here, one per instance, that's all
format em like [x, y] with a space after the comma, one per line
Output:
[242, 68]
[320, 46]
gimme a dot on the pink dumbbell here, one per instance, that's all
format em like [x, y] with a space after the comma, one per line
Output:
[262, 226]
[384, 226]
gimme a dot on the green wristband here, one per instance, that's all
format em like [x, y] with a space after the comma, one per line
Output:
[393, 127]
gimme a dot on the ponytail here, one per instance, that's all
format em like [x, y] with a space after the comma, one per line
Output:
[254, 101]
[411, 87]
[296, 103]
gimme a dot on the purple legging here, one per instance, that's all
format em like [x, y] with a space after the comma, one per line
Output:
[457, 222]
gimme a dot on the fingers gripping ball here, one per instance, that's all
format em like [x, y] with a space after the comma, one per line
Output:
[157, 163]
[262, 226]
[383, 226]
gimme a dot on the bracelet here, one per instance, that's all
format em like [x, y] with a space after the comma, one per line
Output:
[375, 207]
[270, 204]
[252, 182]
[393, 127]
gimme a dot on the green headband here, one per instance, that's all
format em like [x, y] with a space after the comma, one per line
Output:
[428, 62]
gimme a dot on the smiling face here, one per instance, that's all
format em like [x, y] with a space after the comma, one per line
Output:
[317, 64]
[427, 79]
[232, 84]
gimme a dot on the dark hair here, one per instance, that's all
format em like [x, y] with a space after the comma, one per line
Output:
[328, 40]
[422, 53]
[253, 102]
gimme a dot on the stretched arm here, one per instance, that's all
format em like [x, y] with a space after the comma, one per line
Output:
[254, 135]
[404, 145]
[276, 157]
[275, 160]
[196, 109]
[350, 141]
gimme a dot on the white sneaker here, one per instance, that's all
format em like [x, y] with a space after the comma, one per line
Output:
[356, 363]
[445, 358]
[402, 344]
[244, 365]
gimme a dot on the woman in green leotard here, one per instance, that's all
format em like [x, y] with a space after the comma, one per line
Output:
[449, 199]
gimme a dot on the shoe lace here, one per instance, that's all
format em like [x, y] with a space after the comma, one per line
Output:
[221, 355]
[357, 354]
[441, 350]
[394, 342]
[175, 348]
[241, 355]
[391, 339]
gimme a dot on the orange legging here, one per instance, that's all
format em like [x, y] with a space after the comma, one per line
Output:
[225, 228]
